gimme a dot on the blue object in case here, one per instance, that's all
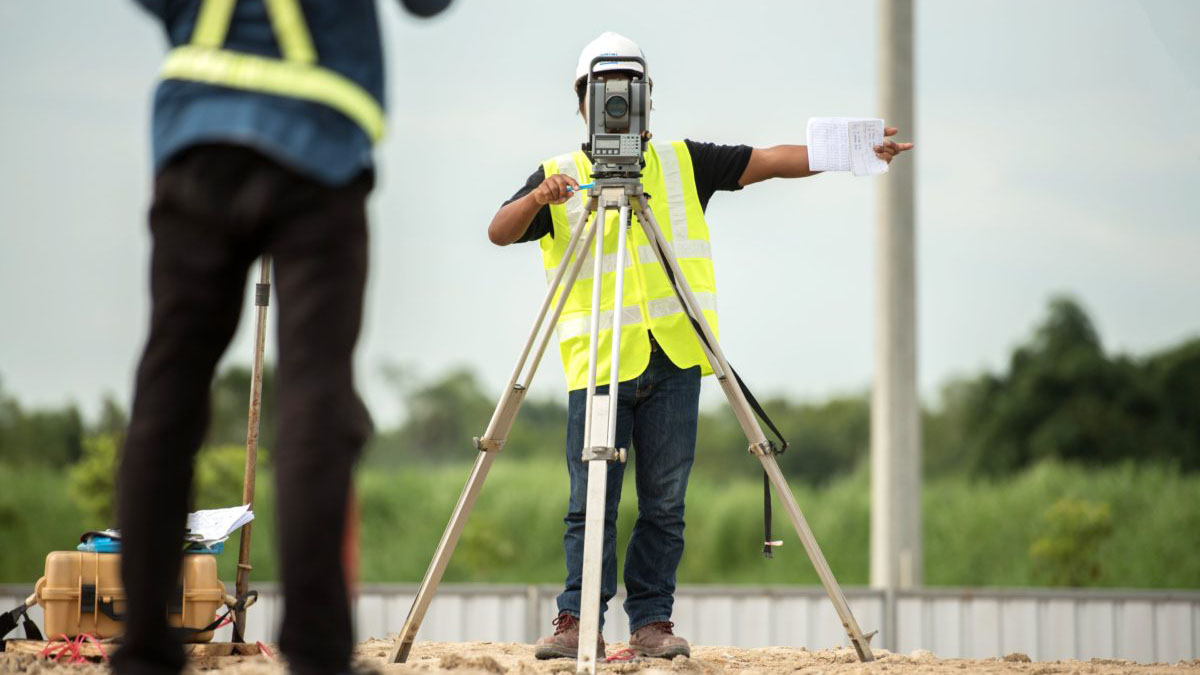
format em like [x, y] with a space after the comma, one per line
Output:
[99, 543]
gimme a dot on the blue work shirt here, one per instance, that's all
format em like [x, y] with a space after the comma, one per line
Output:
[310, 138]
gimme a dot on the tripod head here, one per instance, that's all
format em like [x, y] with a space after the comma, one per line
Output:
[618, 117]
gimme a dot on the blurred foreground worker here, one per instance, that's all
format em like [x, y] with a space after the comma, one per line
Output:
[661, 358]
[264, 124]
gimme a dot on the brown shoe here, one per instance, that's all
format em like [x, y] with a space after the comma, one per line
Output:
[564, 644]
[658, 640]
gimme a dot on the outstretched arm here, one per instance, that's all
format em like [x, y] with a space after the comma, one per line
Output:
[791, 161]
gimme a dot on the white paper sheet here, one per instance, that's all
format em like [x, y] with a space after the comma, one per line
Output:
[213, 525]
[845, 144]
[828, 144]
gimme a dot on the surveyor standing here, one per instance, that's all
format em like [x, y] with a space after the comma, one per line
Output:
[661, 360]
[263, 131]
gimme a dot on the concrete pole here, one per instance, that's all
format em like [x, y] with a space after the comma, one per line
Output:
[896, 558]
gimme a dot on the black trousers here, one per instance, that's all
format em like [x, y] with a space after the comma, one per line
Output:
[215, 210]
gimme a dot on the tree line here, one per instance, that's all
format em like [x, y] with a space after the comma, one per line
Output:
[1060, 396]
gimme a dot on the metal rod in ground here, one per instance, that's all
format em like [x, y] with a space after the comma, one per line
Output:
[262, 298]
[493, 439]
[754, 433]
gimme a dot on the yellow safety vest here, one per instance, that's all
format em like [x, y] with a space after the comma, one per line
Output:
[649, 303]
[296, 75]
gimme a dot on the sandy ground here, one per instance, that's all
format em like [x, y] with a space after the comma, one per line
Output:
[486, 658]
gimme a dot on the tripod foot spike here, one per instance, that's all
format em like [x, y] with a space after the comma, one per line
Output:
[400, 652]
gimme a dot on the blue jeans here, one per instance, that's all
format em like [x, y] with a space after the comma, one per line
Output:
[657, 412]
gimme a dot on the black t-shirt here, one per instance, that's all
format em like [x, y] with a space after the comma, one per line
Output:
[715, 167]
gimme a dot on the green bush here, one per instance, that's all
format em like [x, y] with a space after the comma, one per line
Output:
[1067, 554]
[93, 480]
[217, 481]
[36, 517]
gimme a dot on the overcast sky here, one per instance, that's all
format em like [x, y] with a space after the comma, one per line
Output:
[1057, 151]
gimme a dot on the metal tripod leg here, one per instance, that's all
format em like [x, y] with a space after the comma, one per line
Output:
[498, 428]
[600, 431]
[759, 445]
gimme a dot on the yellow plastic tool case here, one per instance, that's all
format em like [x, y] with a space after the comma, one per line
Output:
[82, 593]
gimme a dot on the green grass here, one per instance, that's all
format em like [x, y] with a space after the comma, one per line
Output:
[36, 517]
[977, 533]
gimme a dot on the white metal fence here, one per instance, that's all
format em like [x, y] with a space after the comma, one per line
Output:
[1145, 626]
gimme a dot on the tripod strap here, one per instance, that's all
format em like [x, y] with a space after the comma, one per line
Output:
[767, 552]
[9, 619]
[758, 409]
[783, 445]
[754, 404]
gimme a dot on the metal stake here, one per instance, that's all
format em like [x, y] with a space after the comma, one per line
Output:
[262, 298]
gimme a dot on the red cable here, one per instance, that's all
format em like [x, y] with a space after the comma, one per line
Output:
[64, 637]
[263, 649]
[57, 655]
[76, 655]
[71, 650]
[63, 648]
[91, 638]
[623, 655]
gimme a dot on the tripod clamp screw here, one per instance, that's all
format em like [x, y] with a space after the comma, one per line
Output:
[488, 444]
[608, 454]
[763, 449]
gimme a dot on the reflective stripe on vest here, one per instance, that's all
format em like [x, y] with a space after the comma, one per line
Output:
[649, 302]
[581, 326]
[296, 75]
[656, 309]
[608, 263]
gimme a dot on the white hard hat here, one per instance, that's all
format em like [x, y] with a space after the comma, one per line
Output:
[608, 44]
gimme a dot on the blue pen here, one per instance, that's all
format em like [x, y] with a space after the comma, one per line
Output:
[585, 186]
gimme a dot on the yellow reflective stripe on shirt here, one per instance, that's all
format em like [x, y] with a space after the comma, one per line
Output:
[661, 307]
[273, 76]
[631, 315]
[672, 180]
[688, 248]
[290, 31]
[608, 263]
[213, 23]
[575, 205]
[580, 326]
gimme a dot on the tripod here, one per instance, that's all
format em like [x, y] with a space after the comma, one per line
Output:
[600, 420]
